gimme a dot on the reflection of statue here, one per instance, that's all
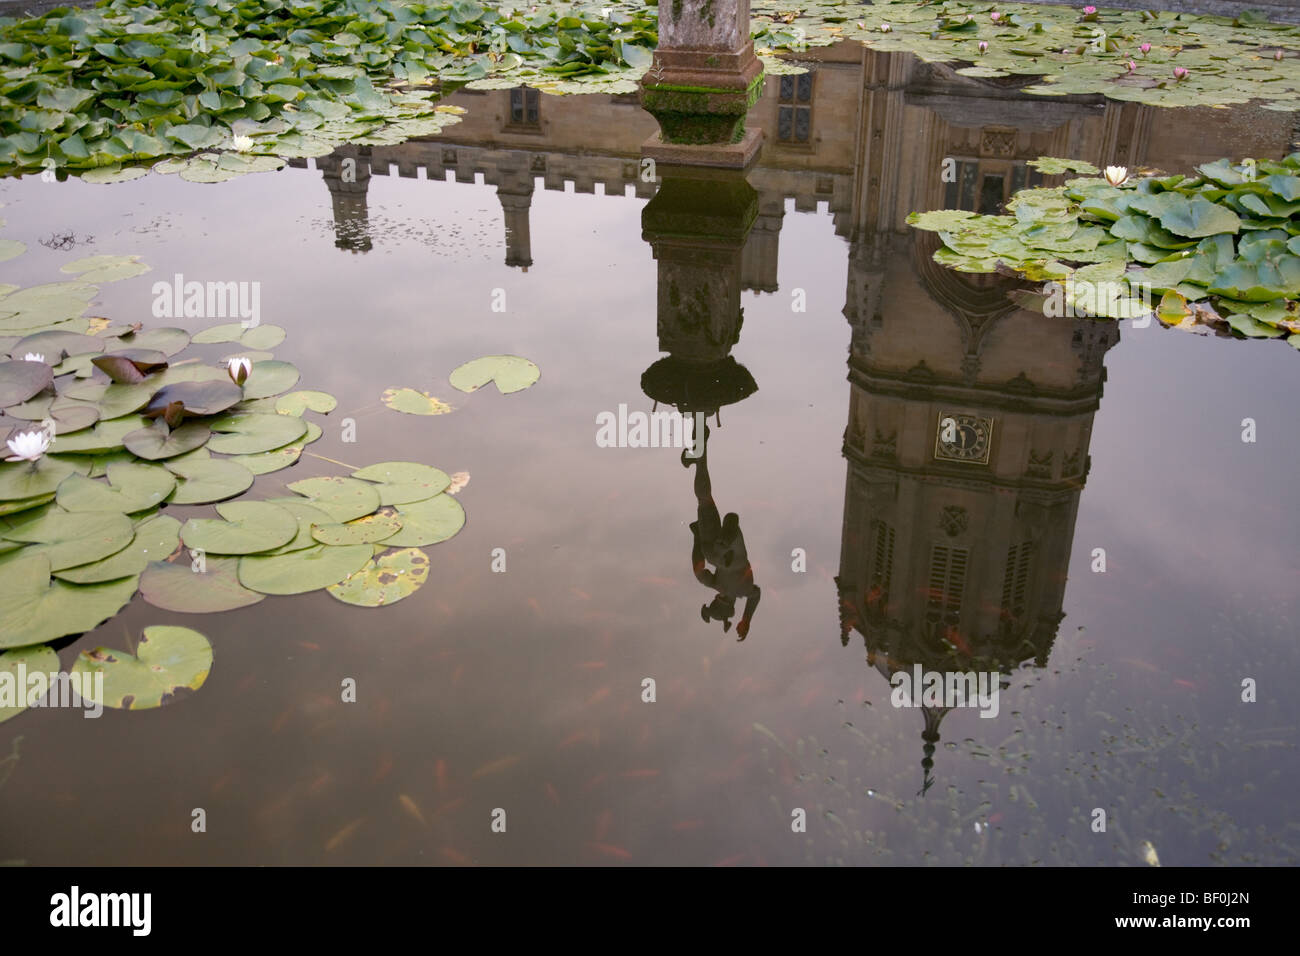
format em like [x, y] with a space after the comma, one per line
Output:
[697, 224]
[719, 542]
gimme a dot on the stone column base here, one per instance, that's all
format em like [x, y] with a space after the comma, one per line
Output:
[717, 155]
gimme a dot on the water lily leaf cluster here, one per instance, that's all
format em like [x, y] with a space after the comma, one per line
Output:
[112, 423]
[1220, 61]
[219, 89]
[1216, 250]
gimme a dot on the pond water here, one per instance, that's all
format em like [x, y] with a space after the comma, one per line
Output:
[524, 230]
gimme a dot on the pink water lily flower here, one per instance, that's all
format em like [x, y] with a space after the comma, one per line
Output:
[1089, 11]
[1180, 73]
[1145, 48]
[1132, 66]
[995, 16]
[984, 46]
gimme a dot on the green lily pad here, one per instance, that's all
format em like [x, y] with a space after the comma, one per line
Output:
[155, 538]
[130, 488]
[247, 434]
[205, 480]
[270, 378]
[20, 380]
[113, 174]
[106, 436]
[25, 504]
[402, 482]
[178, 587]
[367, 530]
[262, 337]
[35, 610]
[249, 527]
[68, 540]
[410, 401]
[198, 398]
[11, 249]
[295, 403]
[384, 579]
[344, 498]
[158, 441]
[22, 480]
[301, 571]
[24, 661]
[106, 268]
[510, 373]
[167, 659]
[308, 516]
[428, 522]
[264, 463]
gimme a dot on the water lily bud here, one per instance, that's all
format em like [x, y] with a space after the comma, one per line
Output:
[984, 46]
[995, 16]
[1145, 48]
[1180, 73]
[1277, 54]
[242, 143]
[28, 445]
[1132, 66]
[239, 369]
[885, 28]
[1116, 175]
[33, 357]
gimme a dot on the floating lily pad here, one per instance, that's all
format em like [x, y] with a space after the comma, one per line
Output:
[264, 463]
[19, 381]
[413, 402]
[344, 498]
[295, 403]
[205, 480]
[308, 516]
[428, 522]
[198, 398]
[106, 436]
[25, 504]
[113, 174]
[155, 539]
[158, 441]
[130, 488]
[365, 530]
[169, 341]
[22, 480]
[402, 482]
[11, 249]
[510, 373]
[248, 434]
[262, 337]
[384, 579]
[301, 571]
[249, 527]
[106, 268]
[28, 661]
[178, 587]
[270, 378]
[68, 540]
[167, 659]
[35, 610]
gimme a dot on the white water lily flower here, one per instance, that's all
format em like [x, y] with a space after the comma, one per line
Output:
[33, 357]
[29, 445]
[1116, 175]
[242, 143]
[239, 369]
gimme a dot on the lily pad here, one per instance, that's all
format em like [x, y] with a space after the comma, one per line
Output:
[205, 480]
[247, 434]
[295, 403]
[178, 587]
[19, 381]
[155, 539]
[510, 373]
[301, 571]
[22, 480]
[249, 527]
[344, 498]
[130, 488]
[106, 436]
[167, 659]
[410, 401]
[28, 661]
[402, 482]
[367, 530]
[428, 522]
[35, 610]
[270, 378]
[68, 540]
[198, 398]
[158, 441]
[384, 579]
[106, 268]
[308, 516]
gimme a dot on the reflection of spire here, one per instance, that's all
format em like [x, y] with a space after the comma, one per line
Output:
[933, 715]
[758, 268]
[516, 197]
[347, 176]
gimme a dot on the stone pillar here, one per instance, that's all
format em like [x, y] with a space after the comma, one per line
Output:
[703, 81]
[516, 198]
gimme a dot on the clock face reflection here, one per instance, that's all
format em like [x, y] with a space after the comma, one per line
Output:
[963, 438]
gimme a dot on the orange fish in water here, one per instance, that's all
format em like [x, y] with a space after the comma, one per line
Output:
[580, 594]
[573, 738]
[640, 774]
[597, 697]
[594, 782]
[320, 783]
[532, 603]
[308, 646]
[385, 768]
[685, 825]
[440, 772]
[731, 860]
[1186, 683]
[412, 808]
[455, 856]
[496, 766]
[553, 794]
[592, 665]
[603, 823]
[338, 839]
[608, 849]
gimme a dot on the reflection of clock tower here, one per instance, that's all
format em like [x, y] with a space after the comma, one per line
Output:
[967, 449]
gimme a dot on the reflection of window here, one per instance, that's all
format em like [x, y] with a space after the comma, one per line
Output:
[947, 585]
[982, 186]
[794, 109]
[525, 108]
[882, 568]
[1015, 579]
